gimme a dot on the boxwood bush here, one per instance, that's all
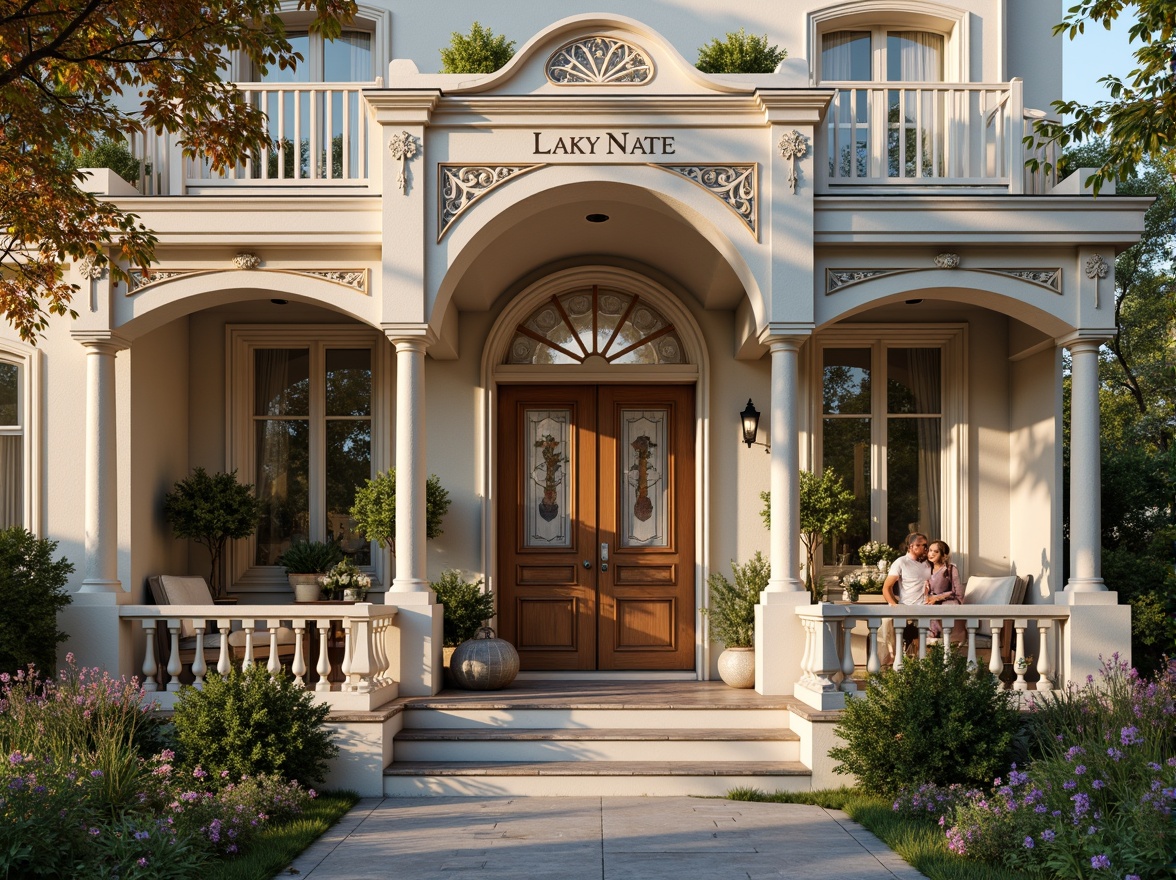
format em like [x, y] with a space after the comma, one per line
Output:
[32, 591]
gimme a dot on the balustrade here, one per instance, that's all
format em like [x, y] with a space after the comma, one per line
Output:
[361, 673]
[828, 660]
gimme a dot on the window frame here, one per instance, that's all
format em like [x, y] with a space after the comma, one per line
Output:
[368, 19]
[952, 341]
[241, 343]
[882, 16]
[28, 404]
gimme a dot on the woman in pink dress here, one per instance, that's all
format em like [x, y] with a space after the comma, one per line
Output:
[944, 587]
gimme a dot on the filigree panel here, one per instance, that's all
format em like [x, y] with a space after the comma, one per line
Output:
[839, 279]
[141, 279]
[461, 185]
[357, 279]
[545, 456]
[644, 456]
[1048, 278]
[736, 186]
[595, 61]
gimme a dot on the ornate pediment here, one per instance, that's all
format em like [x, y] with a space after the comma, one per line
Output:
[598, 60]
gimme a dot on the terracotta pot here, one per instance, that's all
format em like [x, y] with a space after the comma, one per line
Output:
[484, 663]
[737, 667]
[306, 587]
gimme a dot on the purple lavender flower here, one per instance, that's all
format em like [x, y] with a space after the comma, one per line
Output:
[1129, 736]
[1048, 834]
[142, 862]
[97, 774]
[1100, 861]
[1081, 803]
[1028, 843]
[1080, 769]
[1114, 754]
[1097, 784]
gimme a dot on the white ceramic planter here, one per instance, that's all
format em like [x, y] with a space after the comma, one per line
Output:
[305, 586]
[737, 667]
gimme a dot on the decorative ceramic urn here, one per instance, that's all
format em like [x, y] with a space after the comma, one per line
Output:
[484, 663]
[737, 667]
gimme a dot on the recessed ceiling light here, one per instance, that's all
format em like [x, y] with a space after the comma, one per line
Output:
[597, 218]
[279, 302]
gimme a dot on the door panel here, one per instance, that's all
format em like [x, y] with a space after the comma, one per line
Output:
[580, 468]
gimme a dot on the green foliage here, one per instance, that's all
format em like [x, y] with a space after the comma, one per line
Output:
[467, 606]
[732, 606]
[345, 576]
[929, 721]
[210, 509]
[107, 153]
[246, 724]
[1144, 579]
[826, 508]
[310, 557]
[374, 510]
[1139, 119]
[740, 53]
[480, 51]
[32, 591]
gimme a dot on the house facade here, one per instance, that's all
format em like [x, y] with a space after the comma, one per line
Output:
[556, 287]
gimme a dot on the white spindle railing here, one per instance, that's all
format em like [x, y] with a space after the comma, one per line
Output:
[828, 662]
[367, 669]
[319, 137]
[924, 134]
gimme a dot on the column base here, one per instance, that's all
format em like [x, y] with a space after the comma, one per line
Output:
[408, 586]
[1086, 585]
[96, 585]
[783, 591]
[779, 642]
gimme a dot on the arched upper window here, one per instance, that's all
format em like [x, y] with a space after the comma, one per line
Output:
[881, 54]
[595, 323]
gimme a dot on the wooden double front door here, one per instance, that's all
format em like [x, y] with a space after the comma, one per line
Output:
[596, 526]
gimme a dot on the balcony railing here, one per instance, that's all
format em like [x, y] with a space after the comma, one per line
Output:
[828, 662]
[319, 137]
[354, 664]
[919, 134]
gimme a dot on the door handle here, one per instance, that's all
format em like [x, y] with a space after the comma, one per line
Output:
[587, 563]
[604, 557]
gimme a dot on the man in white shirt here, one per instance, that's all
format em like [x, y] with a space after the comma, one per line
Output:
[910, 574]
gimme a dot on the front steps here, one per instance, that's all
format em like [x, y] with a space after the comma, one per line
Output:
[542, 738]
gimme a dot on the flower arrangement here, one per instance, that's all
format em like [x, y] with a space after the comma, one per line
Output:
[344, 576]
[862, 581]
[873, 551]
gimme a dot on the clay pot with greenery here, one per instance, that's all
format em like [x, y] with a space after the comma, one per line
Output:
[731, 618]
[211, 509]
[304, 562]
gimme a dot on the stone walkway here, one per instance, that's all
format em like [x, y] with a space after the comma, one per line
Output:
[612, 838]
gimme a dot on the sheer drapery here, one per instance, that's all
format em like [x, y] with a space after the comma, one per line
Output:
[914, 56]
[280, 388]
[11, 481]
[845, 56]
[926, 386]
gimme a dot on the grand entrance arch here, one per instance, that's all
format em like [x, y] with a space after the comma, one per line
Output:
[596, 474]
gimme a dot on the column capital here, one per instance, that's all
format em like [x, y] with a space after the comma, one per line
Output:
[104, 341]
[1083, 340]
[785, 335]
[409, 337]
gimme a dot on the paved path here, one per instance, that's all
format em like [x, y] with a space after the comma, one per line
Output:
[593, 838]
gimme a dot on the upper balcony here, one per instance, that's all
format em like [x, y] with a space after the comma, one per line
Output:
[920, 136]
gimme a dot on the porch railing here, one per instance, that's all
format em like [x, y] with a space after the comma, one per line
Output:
[922, 134]
[828, 662]
[355, 663]
[319, 137]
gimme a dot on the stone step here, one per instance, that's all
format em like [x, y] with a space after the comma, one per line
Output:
[427, 714]
[589, 778]
[604, 744]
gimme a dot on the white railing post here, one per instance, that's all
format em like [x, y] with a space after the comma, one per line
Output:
[1016, 149]
[899, 632]
[298, 664]
[174, 666]
[873, 663]
[224, 663]
[972, 624]
[847, 664]
[347, 648]
[1019, 665]
[995, 661]
[324, 664]
[199, 666]
[247, 661]
[150, 665]
[274, 666]
[1044, 667]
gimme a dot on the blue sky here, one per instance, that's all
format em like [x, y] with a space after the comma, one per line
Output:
[1093, 55]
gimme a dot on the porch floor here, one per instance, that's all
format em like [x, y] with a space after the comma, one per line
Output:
[627, 694]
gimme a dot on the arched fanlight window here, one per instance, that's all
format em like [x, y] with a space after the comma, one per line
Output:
[572, 327]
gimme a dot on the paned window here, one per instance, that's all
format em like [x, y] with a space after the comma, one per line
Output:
[12, 444]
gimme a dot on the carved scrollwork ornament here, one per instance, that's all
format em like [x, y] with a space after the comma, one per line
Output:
[947, 261]
[247, 261]
[403, 147]
[462, 185]
[1096, 269]
[793, 145]
[598, 61]
[89, 269]
[734, 185]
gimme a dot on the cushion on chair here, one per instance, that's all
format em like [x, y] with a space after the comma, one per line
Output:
[990, 591]
[168, 589]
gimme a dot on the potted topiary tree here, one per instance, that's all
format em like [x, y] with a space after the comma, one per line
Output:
[304, 562]
[732, 618]
[374, 510]
[210, 509]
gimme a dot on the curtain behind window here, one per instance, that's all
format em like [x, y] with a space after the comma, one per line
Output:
[845, 56]
[11, 481]
[914, 56]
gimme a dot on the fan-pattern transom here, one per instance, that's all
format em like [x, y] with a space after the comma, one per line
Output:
[572, 327]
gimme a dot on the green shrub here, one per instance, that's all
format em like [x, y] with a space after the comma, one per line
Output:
[740, 53]
[374, 510]
[32, 591]
[732, 605]
[929, 721]
[481, 51]
[107, 153]
[245, 724]
[311, 557]
[467, 607]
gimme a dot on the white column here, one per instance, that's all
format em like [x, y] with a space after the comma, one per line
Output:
[411, 475]
[1085, 473]
[101, 567]
[785, 474]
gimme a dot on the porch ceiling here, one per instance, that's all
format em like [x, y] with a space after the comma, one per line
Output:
[642, 230]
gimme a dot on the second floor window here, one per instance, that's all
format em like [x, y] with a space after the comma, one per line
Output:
[345, 59]
[882, 56]
[12, 467]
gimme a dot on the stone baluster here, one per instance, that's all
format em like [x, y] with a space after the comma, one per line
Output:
[899, 626]
[249, 628]
[324, 664]
[150, 664]
[298, 664]
[359, 675]
[946, 624]
[995, 661]
[199, 666]
[923, 624]
[873, 663]
[806, 657]
[847, 664]
[274, 666]
[1044, 667]
[347, 649]
[972, 625]
[379, 650]
[224, 663]
[174, 665]
[1019, 664]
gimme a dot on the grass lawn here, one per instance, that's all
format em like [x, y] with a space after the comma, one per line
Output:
[921, 843]
[276, 847]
